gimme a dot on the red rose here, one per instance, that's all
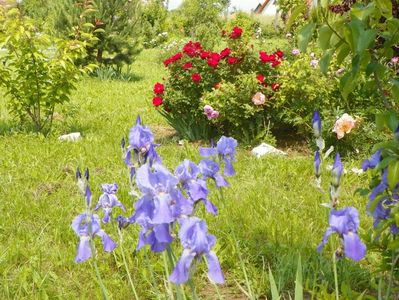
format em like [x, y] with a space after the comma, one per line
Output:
[236, 33]
[187, 65]
[157, 101]
[215, 56]
[159, 88]
[225, 52]
[260, 78]
[192, 49]
[276, 63]
[213, 63]
[232, 60]
[204, 54]
[264, 57]
[196, 77]
[279, 53]
[166, 62]
[275, 86]
[177, 56]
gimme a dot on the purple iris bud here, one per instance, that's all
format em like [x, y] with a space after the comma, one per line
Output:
[337, 170]
[108, 200]
[316, 124]
[345, 223]
[87, 174]
[317, 163]
[78, 174]
[210, 169]
[123, 143]
[127, 159]
[372, 162]
[88, 196]
[87, 226]
[197, 242]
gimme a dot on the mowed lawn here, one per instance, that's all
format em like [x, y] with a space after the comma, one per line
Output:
[270, 215]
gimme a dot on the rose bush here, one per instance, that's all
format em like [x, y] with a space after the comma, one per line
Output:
[210, 92]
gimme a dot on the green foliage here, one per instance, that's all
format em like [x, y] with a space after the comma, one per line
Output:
[228, 87]
[200, 20]
[37, 71]
[154, 23]
[115, 24]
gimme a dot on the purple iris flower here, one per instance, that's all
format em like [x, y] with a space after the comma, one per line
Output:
[372, 162]
[337, 170]
[317, 163]
[345, 222]
[187, 173]
[226, 148]
[196, 242]
[159, 187]
[140, 137]
[381, 211]
[108, 200]
[86, 226]
[210, 169]
[141, 144]
[381, 187]
[316, 124]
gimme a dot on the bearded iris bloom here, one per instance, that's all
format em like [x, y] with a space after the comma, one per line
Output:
[197, 242]
[141, 144]
[187, 173]
[108, 200]
[87, 226]
[226, 149]
[372, 162]
[210, 169]
[345, 223]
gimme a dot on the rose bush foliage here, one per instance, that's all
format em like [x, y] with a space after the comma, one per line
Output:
[202, 82]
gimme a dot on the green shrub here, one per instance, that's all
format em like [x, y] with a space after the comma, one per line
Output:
[209, 93]
[37, 71]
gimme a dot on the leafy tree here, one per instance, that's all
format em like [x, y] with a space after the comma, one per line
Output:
[37, 71]
[116, 25]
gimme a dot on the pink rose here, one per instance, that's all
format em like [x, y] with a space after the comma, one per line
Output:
[344, 125]
[258, 99]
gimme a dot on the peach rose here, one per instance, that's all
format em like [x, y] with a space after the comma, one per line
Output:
[344, 125]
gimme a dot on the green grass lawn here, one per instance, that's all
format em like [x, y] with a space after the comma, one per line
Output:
[269, 216]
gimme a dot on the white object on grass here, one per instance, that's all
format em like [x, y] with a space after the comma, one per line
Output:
[264, 149]
[71, 137]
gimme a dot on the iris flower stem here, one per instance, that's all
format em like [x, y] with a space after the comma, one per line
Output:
[93, 250]
[97, 271]
[171, 259]
[394, 261]
[167, 273]
[126, 265]
[192, 287]
[154, 284]
[335, 276]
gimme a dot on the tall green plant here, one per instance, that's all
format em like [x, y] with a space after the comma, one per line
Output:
[116, 24]
[36, 70]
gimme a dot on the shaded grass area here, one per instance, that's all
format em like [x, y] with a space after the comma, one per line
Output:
[269, 216]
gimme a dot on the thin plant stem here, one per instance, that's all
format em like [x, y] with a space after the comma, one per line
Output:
[97, 271]
[171, 258]
[157, 292]
[167, 273]
[126, 265]
[193, 291]
[394, 261]
[335, 276]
